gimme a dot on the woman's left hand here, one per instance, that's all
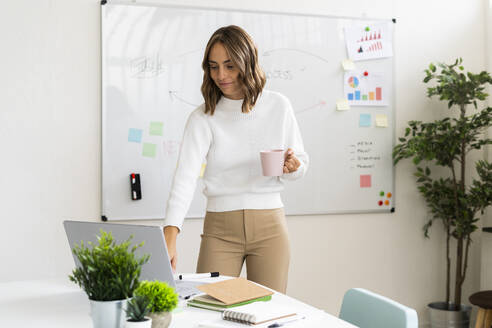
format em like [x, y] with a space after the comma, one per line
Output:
[291, 163]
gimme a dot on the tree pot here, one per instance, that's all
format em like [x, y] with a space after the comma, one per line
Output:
[161, 319]
[140, 324]
[108, 314]
[441, 317]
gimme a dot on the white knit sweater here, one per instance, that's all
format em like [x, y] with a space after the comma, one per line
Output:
[230, 142]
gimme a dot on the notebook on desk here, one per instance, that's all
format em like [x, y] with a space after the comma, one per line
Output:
[258, 313]
[157, 268]
[234, 291]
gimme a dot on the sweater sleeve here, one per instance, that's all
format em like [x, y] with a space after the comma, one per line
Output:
[293, 140]
[196, 142]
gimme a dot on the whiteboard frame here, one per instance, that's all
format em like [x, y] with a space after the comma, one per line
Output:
[177, 6]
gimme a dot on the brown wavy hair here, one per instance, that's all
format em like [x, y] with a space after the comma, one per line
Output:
[244, 55]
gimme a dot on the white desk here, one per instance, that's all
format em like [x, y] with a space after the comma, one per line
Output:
[54, 304]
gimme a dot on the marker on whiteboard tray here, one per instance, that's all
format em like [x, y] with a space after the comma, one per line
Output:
[136, 190]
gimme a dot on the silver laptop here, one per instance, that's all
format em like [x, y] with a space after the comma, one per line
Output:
[157, 268]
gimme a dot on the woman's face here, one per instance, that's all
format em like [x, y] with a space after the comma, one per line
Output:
[223, 72]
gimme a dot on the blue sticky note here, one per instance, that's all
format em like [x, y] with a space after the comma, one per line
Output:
[365, 120]
[135, 135]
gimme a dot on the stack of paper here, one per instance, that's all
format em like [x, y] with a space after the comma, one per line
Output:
[230, 293]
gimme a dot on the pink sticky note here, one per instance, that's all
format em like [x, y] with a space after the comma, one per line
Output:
[365, 181]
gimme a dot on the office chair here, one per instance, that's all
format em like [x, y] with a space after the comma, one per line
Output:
[366, 309]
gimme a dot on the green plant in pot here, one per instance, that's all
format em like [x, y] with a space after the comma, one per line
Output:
[451, 199]
[108, 273]
[136, 312]
[163, 300]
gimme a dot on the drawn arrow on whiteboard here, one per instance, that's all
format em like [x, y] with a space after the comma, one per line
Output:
[320, 104]
[173, 95]
[190, 52]
[267, 53]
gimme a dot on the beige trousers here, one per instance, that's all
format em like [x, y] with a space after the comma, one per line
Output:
[258, 236]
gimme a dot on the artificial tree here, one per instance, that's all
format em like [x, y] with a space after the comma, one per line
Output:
[447, 143]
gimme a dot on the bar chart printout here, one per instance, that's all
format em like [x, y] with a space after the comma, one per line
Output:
[365, 89]
[371, 41]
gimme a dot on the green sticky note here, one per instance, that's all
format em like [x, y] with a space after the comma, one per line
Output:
[156, 128]
[149, 149]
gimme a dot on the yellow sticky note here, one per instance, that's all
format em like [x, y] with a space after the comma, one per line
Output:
[381, 120]
[348, 64]
[343, 104]
[202, 170]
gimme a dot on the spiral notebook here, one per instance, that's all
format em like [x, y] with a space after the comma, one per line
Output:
[257, 313]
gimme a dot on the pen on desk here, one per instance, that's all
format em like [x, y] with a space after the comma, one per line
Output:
[187, 297]
[198, 275]
[280, 324]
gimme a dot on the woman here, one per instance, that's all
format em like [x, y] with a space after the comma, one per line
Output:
[245, 218]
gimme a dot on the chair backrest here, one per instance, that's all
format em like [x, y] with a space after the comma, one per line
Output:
[366, 309]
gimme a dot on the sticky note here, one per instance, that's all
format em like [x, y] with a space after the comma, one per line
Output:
[149, 149]
[348, 64]
[156, 128]
[365, 180]
[381, 120]
[365, 120]
[202, 170]
[134, 135]
[342, 104]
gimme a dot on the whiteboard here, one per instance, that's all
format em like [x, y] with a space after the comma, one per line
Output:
[151, 78]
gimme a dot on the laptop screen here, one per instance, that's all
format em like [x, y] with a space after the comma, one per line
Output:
[157, 268]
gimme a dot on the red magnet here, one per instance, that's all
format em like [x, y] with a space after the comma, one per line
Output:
[365, 73]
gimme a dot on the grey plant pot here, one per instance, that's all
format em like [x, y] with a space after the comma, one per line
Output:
[108, 314]
[161, 319]
[441, 317]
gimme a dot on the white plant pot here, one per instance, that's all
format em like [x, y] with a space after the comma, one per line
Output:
[161, 319]
[109, 314]
[140, 324]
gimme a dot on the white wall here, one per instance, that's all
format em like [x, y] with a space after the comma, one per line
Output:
[50, 142]
[486, 259]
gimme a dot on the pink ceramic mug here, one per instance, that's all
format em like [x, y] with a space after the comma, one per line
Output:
[272, 162]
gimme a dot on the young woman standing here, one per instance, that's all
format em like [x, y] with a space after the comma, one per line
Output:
[245, 219]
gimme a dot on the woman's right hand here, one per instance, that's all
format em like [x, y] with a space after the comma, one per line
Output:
[170, 233]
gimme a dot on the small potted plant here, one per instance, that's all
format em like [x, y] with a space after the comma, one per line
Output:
[163, 299]
[108, 273]
[136, 313]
